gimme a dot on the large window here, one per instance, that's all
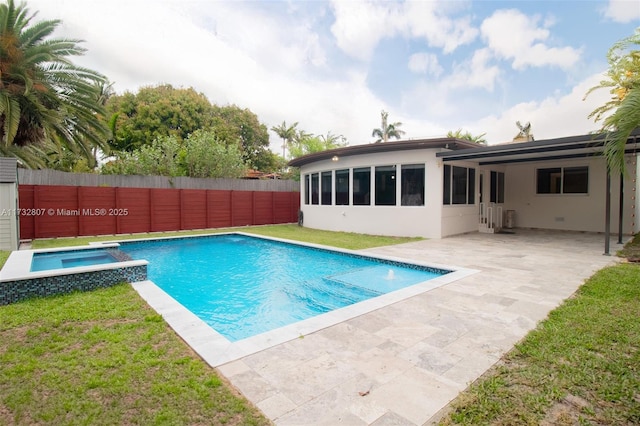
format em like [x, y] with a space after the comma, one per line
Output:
[497, 187]
[362, 186]
[386, 186]
[315, 188]
[307, 188]
[342, 187]
[412, 185]
[459, 185]
[562, 180]
[325, 186]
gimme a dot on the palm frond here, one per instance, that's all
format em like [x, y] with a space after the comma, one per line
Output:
[619, 126]
[9, 117]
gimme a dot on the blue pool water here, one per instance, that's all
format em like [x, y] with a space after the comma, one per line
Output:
[70, 259]
[242, 286]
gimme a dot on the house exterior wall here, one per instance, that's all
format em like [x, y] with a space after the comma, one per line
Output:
[424, 221]
[570, 212]
[567, 212]
[462, 218]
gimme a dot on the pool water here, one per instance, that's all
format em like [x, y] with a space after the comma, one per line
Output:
[243, 286]
[70, 259]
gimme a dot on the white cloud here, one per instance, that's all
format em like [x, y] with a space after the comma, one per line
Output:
[360, 25]
[622, 10]
[514, 36]
[555, 116]
[475, 73]
[426, 19]
[425, 63]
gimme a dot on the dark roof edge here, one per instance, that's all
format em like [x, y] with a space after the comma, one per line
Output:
[448, 143]
[597, 139]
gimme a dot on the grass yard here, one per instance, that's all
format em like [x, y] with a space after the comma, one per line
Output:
[105, 357]
[581, 366]
[345, 240]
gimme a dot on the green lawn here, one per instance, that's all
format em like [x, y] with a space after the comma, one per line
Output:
[581, 366]
[104, 357]
[292, 232]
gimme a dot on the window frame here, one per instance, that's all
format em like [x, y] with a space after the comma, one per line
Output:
[453, 181]
[361, 199]
[340, 201]
[386, 187]
[408, 198]
[556, 182]
[326, 194]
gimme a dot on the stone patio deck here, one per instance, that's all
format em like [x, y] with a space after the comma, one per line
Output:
[402, 364]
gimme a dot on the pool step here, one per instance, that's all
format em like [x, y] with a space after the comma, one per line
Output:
[328, 294]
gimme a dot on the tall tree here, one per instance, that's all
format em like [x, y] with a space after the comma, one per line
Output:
[308, 143]
[467, 136]
[235, 125]
[45, 100]
[202, 154]
[623, 82]
[154, 111]
[286, 133]
[387, 130]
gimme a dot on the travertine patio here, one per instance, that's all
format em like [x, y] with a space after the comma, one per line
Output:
[403, 363]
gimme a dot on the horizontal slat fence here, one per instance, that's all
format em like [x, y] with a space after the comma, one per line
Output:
[48, 211]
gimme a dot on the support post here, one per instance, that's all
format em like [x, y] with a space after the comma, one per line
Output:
[607, 213]
[620, 215]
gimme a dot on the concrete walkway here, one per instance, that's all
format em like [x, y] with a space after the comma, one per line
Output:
[402, 364]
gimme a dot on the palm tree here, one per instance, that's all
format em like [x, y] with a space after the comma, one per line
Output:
[333, 141]
[45, 100]
[623, 82]
[387, 130]
[467, 136]
[287, 133]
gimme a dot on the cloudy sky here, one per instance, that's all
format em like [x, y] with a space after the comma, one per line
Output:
[332, 66]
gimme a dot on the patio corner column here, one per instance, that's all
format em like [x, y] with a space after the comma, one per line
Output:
[607, 213]
[620, 215]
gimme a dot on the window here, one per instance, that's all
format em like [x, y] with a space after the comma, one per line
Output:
[563, 180]
[307, 189]
[497, 187]
[412, 185]
[362, 186]
[386, 186]
[446, 191]
[459, 185]
[342, 187]
[315, 188]
[325, 186]
[575, 180]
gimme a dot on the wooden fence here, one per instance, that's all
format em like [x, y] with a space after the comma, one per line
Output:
[48, 211]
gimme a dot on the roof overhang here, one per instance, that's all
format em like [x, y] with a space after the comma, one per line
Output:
[373, 148]
[542, 150]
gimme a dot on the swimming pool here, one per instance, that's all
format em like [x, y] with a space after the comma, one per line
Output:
[71, 259]
[243, 286]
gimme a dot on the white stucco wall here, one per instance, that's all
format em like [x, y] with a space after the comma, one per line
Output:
[460, 219]
[397, 220]
[572, 212]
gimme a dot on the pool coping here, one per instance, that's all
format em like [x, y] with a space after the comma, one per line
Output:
[217, 350]
[18, 265]
[210, 345]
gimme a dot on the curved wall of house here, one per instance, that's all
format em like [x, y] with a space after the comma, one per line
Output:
[397, 220]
